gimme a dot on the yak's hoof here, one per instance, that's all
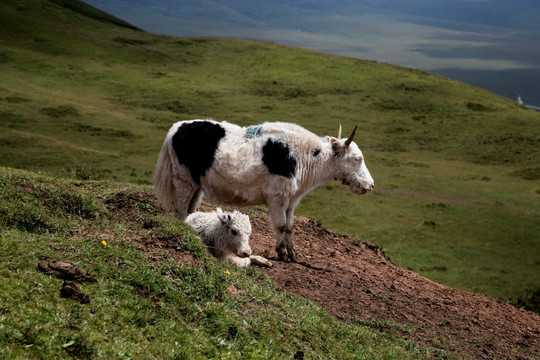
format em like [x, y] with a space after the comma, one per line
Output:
[285, 255]
[292, 256]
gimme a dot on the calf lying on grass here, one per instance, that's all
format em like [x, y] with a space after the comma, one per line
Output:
[226, 235]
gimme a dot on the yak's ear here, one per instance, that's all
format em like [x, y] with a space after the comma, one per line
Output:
[337, 145]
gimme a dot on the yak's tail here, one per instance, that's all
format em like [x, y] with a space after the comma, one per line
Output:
[163, 183]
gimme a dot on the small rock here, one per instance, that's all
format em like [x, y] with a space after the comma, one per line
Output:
[70, 290]
[66, 270]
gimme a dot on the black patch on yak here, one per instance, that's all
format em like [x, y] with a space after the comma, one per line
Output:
[278, 159]
[195, 145]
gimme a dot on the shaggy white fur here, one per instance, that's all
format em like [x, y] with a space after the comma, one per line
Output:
[226, 235]
[238, 175]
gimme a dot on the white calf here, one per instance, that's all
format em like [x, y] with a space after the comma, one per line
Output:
[226, 235]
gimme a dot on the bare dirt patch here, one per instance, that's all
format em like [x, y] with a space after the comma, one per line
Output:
[356, 282]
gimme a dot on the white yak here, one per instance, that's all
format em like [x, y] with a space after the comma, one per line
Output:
[275, 164]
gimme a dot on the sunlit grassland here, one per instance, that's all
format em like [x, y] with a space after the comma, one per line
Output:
[456, 168]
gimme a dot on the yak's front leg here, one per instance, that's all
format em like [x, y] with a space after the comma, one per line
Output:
[282, 219]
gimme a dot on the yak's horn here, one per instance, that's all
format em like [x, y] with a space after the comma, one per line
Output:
[339, 132]
[350, 139]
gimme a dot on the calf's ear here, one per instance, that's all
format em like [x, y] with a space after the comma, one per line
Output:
[224, 218]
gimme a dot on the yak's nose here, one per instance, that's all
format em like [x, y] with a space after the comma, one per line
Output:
[367, 188]
[246, 253]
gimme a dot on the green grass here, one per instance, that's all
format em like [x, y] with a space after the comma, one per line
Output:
[140, 308]
[479, 234]
[456, 168]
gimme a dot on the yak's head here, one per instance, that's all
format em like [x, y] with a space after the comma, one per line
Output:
[237, 230]
[349, 165]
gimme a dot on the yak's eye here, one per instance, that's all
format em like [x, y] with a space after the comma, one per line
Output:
[234, 232]
[360, 159]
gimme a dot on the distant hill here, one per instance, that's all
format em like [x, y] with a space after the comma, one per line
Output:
[454, 14]
[492, 44]
[82, 8]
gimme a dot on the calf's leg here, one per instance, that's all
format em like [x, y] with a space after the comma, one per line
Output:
[260, 261]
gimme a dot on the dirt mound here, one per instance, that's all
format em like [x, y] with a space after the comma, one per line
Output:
[356, 282]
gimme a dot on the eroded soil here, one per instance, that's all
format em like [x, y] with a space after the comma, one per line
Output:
[355, 282]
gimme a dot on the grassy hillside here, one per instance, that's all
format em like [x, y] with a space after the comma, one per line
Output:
[456, 168]
[490, 44]
[153, 306]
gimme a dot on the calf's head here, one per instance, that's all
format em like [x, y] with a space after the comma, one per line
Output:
[349, 165]
[236, 232]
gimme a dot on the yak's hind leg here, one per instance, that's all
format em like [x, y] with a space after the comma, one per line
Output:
[187, 197]
[282, 219]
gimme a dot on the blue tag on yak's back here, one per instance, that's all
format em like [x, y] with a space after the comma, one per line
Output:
[253, 131]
